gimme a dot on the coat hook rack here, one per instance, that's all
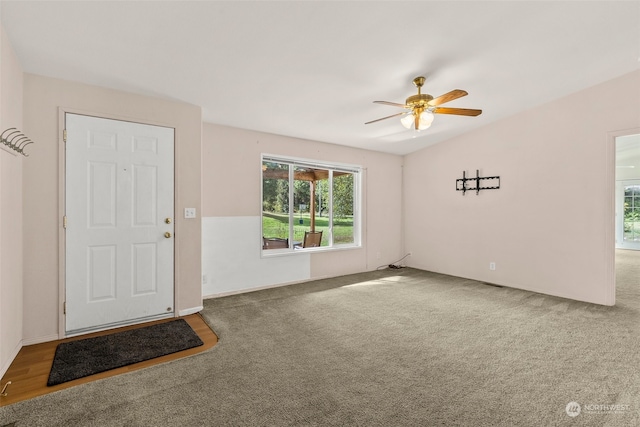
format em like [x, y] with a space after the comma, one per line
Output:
[467, 184]
[15, 140]
[4, 392]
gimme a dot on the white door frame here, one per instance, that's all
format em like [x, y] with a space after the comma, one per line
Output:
[62, 111]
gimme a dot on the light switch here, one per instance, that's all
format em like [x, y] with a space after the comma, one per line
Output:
[189, 212]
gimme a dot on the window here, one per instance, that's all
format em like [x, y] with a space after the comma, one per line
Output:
[631, 221]
[308, 204]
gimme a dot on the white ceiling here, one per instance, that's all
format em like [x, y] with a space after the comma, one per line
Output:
[311, 69]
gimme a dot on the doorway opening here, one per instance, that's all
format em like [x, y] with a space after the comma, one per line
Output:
[627, 214]
[627, 210]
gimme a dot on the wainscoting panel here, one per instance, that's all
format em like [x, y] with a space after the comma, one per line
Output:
[232, 262]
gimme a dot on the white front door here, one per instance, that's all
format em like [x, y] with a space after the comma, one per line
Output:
[119, 223]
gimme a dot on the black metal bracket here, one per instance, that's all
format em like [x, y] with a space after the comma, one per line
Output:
[464, 186]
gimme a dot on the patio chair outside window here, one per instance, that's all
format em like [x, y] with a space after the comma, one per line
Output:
[274, 243]
[312, 239]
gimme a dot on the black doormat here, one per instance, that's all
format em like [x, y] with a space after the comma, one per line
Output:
[81, 358]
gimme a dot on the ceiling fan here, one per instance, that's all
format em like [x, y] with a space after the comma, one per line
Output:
[422, 107]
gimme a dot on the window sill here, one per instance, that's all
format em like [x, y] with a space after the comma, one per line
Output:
[269, 253]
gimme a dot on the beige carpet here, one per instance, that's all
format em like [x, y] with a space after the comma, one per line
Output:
[389, 348]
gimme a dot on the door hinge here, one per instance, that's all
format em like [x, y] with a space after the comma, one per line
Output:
[64, 307]
[64, 222]
[64, 135]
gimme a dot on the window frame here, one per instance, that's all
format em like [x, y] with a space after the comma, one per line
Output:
[330, 167]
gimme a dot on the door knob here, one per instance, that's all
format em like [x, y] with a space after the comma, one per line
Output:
[167, 234]
[167, 220]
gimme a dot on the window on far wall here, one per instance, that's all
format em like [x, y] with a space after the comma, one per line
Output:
[309, 205]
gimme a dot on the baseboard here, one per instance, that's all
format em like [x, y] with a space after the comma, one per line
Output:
[188, 311]
[260, 288]
[564, 295]
[5, 366]
[40, 340]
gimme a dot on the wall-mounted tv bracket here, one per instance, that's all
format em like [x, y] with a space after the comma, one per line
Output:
[469, 184]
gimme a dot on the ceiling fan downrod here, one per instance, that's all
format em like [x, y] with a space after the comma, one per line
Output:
[421, 99]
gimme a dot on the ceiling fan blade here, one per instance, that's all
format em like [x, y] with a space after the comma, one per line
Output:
[388, 117]
[393, 104]
[449, 96]
[457, 111]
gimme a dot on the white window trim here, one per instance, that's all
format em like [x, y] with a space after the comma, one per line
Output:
[357, 172]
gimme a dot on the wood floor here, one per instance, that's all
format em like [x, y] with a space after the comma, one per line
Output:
[30, 370]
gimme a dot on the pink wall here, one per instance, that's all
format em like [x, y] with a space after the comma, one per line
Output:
[43, 99]
[231, 183]
[11, 164]
[549, 228]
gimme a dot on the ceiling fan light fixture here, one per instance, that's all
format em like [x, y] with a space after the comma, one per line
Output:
[407, 121]
[426, 118]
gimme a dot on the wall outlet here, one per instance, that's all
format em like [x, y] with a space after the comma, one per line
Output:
[189, 212]
[492, 266]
